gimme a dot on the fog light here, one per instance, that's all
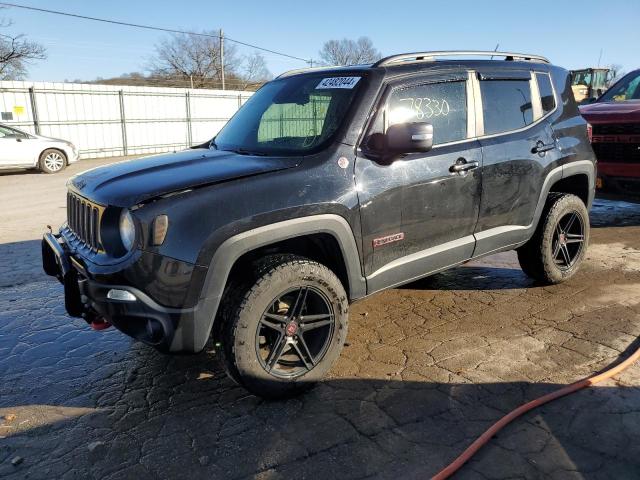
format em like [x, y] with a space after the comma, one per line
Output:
[121, 295]
[160, 227]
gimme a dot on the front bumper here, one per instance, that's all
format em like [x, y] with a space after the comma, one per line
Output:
[619, 178]
[168, 329]
[73, 155]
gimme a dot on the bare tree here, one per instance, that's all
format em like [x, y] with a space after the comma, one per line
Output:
[187, 59]
[253, 72]
[349, 52]
[15, 54]
[193, 57]
[615, 71]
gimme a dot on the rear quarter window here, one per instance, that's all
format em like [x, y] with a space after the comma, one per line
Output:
[506, 105]
[547, 98]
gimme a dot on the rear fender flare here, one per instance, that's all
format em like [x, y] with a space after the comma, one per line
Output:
[508, 237]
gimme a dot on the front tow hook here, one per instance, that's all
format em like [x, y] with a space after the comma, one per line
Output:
[100, 324]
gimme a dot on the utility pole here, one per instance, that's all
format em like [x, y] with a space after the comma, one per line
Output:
[222, 57]
[600, 57]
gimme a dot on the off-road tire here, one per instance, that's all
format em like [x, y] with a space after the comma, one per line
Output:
[243, 306]
[536, 256]
[46, 166]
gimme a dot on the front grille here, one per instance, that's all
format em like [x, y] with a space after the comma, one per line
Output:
[617, 152]
[83, 219]
[616, 128]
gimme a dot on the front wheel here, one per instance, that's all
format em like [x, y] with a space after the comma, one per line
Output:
[559, 244]
[284, 329]
[52, 161]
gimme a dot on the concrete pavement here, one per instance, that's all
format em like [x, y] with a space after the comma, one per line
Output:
[426, 369]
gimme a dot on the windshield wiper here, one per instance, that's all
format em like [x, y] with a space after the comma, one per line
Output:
[243, 151]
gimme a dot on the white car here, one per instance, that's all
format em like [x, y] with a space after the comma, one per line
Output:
[20, 149]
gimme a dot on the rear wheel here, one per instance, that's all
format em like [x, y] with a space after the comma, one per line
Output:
[284, 329]
[559, 244]
[52, 161]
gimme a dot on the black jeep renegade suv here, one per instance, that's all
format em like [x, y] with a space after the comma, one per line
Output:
[329, 185]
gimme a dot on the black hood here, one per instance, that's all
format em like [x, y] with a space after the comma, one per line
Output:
[128, 183]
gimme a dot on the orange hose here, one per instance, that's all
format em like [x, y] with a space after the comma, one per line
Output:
[504, 421]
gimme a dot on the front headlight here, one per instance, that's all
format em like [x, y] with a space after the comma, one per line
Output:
[127, 229]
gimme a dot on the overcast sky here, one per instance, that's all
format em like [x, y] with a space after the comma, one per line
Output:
[570, 33]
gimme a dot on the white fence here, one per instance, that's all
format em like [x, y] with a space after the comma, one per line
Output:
[105, 120]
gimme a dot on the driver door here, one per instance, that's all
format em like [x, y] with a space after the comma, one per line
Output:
[14, 150]
[419, 210]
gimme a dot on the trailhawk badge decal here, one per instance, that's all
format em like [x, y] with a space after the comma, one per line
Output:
[379, 242]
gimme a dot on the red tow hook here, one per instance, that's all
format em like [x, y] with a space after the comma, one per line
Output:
[100, 324]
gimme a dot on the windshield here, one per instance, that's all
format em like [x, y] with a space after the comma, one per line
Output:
[582, 78]
[628, 88]
[290, 116]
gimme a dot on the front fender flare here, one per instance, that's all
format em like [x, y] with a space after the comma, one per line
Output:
[195, 334]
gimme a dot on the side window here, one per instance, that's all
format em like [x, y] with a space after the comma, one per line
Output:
[10, 133]
[506, 105]
[546, 92]
[444, 105]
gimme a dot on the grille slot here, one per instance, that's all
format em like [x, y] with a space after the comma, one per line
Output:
[617, 152]
[83, 219]
[616, 128]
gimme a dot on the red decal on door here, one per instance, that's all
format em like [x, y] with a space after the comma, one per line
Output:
[379, 242]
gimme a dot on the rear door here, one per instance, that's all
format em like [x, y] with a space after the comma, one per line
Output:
[419, 211]
[518, 150]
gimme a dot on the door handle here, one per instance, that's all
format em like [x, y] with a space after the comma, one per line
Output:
[462, 166]
[541, 147]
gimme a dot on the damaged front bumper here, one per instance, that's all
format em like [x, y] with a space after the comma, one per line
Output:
[129, 309]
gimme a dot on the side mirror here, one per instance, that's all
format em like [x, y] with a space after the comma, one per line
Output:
[410, 137]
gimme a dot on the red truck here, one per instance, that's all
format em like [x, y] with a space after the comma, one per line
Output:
[614, 130]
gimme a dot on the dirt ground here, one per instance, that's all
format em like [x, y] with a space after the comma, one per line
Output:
[426, 369]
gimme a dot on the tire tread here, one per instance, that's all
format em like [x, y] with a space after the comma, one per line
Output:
[238, 297]
[532, 255]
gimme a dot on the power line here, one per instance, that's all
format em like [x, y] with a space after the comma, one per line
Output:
[150, 27]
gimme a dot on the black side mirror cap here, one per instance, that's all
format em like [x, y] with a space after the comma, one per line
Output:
[410, 137]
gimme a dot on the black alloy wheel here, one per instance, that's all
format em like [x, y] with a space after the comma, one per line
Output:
[283, 325]
[568, 240]
[294, 333]
[557, 248]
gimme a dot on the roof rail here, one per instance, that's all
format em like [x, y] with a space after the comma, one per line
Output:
[431, 56]
[306, 69]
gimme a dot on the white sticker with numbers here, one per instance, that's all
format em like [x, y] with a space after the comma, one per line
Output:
[337, 82]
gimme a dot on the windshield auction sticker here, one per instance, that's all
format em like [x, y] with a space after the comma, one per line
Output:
[337, 82]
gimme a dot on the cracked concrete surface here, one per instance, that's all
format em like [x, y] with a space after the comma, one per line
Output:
[426, 369]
